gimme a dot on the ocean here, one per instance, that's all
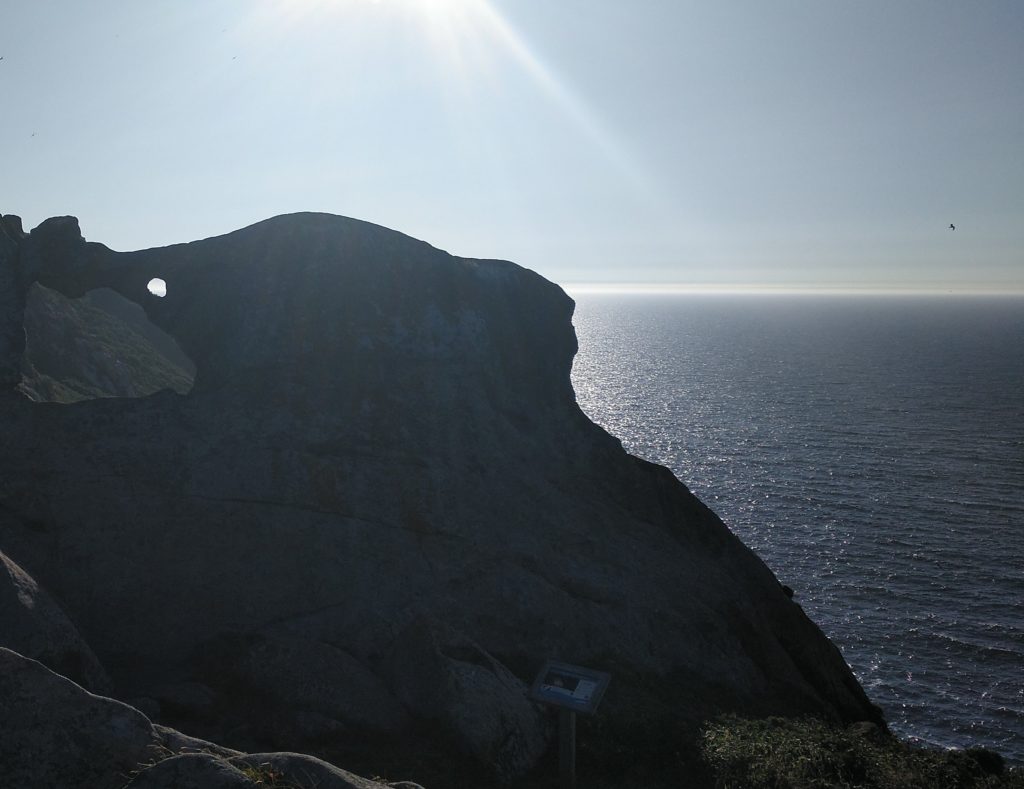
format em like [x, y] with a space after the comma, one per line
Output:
[870, 449]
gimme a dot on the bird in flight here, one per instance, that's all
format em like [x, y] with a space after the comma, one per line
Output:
[952, 227]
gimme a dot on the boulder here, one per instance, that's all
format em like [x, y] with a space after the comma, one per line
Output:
[32, 624]
[445, 678]
[303, 770]
[173, 741]
[55, 734]
[194, 771]
[206, 771]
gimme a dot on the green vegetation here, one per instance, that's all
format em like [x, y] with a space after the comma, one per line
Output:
[778, 753]
[732, 753]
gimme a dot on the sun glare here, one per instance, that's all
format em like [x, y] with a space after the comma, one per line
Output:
[439, 6]
[469, 40]
[469, 32]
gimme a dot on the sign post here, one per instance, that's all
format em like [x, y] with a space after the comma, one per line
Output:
[567, 748]
[572, 689]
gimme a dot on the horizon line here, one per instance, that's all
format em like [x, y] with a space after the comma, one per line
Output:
[766, 289]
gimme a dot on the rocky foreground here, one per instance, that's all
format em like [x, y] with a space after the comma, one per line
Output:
[375, 515]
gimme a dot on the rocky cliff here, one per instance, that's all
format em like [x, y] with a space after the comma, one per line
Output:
[379, 509]
[96, 346]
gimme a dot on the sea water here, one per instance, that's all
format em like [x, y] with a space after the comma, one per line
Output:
[871, 451]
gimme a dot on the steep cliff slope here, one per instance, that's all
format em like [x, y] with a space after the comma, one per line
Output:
[381, 464]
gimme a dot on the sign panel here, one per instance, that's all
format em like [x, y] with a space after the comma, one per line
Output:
[573, 687]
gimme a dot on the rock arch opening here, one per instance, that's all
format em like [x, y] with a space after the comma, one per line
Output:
[157, 287]
[99, 345]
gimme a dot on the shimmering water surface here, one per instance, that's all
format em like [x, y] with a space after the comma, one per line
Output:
[871, 451]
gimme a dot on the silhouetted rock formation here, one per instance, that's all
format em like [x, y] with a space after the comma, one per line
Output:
[55, 734]
[12, 303]
[382, 456]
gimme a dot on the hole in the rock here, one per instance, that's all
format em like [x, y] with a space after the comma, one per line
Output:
[157, 287]
[101, 345]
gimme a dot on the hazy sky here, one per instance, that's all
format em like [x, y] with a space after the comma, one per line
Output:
[785, 142]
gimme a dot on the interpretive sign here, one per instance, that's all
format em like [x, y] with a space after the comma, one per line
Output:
[572, 687]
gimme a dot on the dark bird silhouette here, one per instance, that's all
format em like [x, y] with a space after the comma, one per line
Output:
[952, 227]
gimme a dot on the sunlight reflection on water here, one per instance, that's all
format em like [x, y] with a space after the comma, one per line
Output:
[871, 451]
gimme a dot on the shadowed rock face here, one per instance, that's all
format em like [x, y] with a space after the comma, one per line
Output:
[55, 734]
[98, 346]
[381, 435]
[12, 303]
[35, 626]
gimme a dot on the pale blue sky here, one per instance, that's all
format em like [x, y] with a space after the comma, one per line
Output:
[796, 142]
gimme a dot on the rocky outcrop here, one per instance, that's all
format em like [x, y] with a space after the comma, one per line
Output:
[76, 350]
[381, 434]
[32, 624]
[55, 734]
[194, 771]
[307, 771]
[446, 679]
[206, 771]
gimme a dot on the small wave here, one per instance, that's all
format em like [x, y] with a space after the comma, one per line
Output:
[964, 642]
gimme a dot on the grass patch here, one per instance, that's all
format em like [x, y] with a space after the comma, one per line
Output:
[778, 753]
